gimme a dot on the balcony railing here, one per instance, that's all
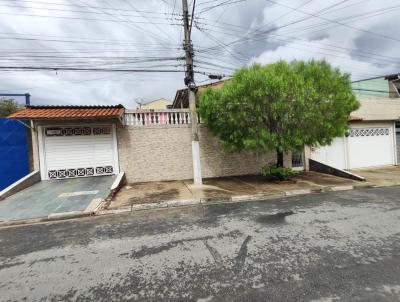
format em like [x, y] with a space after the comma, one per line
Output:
[141, 118]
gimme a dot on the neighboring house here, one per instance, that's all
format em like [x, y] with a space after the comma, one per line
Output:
[159, 104]
[181, 99]
[374, 136]
[373, 139]
[385, 86]
[374, 128]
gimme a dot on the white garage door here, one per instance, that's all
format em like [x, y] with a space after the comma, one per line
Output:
[78, 151]
[369, 147]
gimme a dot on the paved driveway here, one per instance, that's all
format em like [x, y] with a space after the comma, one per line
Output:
[383, 176]
[337, 246]
[55, 196]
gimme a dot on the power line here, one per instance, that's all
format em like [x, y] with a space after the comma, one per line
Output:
[149, 20]
[227, 2]
[258, 31]
[336, 22]
[31, 68]
[361, 53]
[84, 12]
[85, 6]
[192, 18]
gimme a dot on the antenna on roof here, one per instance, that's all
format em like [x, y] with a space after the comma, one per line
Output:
[140, 102]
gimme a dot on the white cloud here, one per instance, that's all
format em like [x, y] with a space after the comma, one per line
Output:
[353, 51]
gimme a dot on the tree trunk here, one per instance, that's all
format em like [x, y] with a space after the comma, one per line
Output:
[279, 156]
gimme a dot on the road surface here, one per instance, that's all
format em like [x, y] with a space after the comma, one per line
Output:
[338, 246]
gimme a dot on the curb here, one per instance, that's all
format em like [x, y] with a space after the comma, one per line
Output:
[181, 203]
[205, 201]
[68, 215]
[233, 199]
[49, 218]
[7, 223]
[342, 188]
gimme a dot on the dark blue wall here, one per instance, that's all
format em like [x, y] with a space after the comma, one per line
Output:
[14, 156]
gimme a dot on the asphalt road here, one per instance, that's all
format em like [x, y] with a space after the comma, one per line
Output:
[342, 246]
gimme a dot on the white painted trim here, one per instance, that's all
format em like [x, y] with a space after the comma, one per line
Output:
[117, 181]
[42, 159]
[115, 149]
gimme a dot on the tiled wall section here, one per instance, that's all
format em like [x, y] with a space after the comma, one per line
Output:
[164, 153]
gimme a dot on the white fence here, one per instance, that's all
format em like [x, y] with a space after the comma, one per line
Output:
[140, 118]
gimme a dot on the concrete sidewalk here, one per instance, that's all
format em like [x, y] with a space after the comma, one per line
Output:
[382, 177]
[245, 187]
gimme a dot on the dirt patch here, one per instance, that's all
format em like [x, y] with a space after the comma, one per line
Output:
[157, 196]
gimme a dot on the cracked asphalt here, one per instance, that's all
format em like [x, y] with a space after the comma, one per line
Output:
[337, 246]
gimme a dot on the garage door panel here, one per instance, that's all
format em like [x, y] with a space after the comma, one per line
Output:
[79, 155]
[369, 147]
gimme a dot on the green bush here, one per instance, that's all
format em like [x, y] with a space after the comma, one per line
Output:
[273, 172]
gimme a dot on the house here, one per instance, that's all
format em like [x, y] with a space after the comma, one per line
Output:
[373, 138]
[378, 87]
[156, 104]
[181, 99]
[147, 145]
[91, 141]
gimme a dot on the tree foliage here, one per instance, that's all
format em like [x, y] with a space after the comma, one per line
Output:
[281, 106]
[8, 106]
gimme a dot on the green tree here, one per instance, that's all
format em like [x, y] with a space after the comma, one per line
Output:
[8, 106]
[281, 106]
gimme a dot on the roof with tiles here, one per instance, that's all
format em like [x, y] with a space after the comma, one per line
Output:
[68, 112]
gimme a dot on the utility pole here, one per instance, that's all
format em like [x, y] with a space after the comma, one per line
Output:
[189, 82]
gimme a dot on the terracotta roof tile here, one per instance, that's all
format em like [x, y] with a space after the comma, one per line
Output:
[68, 112]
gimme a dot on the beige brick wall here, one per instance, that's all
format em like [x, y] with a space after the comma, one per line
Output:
[155, 153]
[164, 153]
[216, 163]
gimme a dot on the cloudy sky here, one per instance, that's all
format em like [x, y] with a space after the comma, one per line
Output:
[360, 37]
